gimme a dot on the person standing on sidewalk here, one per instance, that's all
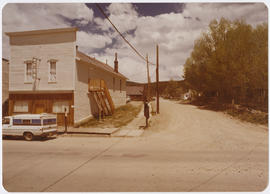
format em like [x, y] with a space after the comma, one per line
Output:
[146, 112]
[66, 114]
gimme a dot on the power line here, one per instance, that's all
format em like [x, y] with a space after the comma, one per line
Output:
[132, 47]
[153, 73]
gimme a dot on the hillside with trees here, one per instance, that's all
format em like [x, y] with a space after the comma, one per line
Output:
[229, 63]
[167, 89]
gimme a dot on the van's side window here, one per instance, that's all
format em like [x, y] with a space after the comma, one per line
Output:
[26, 122]
[17, 121]
[36, 122]
[49, 121]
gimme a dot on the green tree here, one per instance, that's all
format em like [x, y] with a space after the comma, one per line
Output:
[230, 61]
[173, 89]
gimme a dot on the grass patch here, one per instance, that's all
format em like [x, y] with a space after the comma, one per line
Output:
[122, 116]
[256, 117]
[240, 112]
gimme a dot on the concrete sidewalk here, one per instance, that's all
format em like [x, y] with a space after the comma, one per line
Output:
[132, 129]
[95, 131]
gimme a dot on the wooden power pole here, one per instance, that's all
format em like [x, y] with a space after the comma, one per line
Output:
[148, 79]
[157, 80]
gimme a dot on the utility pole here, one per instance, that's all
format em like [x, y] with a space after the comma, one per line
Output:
[35, 62]
[157, 80]
[148, 79]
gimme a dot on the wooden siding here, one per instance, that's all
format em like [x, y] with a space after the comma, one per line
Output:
[44, 102]
[59, 46]
[118, 96]
[85, 105]
[5, 78]
[5, 81]
[29, 38]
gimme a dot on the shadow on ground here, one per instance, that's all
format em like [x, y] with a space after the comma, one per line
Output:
[15, 138]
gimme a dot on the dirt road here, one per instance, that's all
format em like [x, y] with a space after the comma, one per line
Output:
[232, 154]
[185, 149]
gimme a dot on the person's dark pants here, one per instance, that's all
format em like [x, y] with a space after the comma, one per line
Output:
[65, 124]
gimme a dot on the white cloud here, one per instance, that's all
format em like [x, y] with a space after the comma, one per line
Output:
[18, 17]
[22, 17]
[174, 32]
[88, 42]
[123, 15]
[253, 13]
[176, 35]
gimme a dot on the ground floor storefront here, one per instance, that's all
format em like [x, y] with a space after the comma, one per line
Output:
[35, 103]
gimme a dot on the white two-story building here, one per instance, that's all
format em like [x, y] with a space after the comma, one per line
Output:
[48, 74]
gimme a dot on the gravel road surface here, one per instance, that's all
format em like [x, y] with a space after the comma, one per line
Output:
[185, 149]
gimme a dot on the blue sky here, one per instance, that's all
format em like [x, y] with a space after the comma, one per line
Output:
[174, 26]
[145, 9]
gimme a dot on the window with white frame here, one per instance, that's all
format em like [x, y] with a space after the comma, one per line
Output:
[52, 70]
[21, 106]
[59, 106]
[28, 71]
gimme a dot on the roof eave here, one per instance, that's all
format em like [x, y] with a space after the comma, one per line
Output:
[114, 73]
[47, 31]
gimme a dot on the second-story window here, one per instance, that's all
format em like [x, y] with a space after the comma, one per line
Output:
[52, 70]
[28, 71]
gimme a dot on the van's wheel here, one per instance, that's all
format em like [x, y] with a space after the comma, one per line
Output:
[28, 136]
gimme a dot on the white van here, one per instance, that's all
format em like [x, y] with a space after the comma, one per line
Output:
[29, 125]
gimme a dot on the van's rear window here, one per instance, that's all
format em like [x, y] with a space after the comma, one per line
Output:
[49, 121]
